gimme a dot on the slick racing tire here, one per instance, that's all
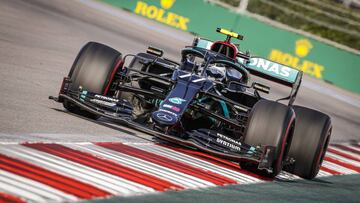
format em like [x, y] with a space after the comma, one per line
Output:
[310, 141]
[270, 123]
[92, 70]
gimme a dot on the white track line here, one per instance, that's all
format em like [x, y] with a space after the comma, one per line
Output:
[323, 174]
[34, 191]
[18, 191]
[343, 159]
[344, 151]
[45, 192]
[212, 167]
[287, 176]
[172, 154]
[102, 180]
[353, 147]
[338, 168]
[165, 173]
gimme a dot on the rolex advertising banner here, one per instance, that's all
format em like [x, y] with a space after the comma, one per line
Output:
[314, 58]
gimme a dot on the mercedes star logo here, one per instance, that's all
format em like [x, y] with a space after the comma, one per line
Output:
[164, 117]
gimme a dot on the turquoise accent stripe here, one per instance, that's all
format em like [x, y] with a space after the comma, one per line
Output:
[251, 150]
[225, 109]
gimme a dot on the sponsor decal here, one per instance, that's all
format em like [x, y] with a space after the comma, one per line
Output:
[298, 58]
[228, 139]
[106, 98]
[270, 66]
[227, 144]
[162, 14]
[166, 4]
[174, 108]
[177, 109]
[164, 117]
[167, 106]
[177, 100]
[103, 103]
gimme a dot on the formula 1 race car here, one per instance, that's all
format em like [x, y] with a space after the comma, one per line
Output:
[206, 101]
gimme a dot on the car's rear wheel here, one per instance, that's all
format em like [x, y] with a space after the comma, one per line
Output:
[92, 70]
[310, 141]
[270, 123]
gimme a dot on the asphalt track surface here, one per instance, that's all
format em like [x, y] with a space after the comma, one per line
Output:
[39, 40]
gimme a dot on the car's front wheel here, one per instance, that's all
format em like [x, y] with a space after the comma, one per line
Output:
[270, 123]
[92, 70]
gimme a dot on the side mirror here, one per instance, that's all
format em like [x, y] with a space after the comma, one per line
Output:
[245, 57]
[261, 87]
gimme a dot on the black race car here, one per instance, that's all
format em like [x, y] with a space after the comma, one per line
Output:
[205, 102]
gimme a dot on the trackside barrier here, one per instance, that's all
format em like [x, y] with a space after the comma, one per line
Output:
[314, 58]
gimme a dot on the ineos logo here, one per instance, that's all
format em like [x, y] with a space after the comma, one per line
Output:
[164, 117]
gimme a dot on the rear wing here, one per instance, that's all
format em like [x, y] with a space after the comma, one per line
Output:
[264, 68]
[271, 70]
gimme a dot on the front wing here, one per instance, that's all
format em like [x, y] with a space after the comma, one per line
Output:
[205, 140]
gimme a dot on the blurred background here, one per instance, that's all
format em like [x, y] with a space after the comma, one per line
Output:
[318, 37]
[336, 20]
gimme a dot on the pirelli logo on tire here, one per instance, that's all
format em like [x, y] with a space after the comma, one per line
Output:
[162, 14]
